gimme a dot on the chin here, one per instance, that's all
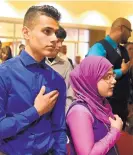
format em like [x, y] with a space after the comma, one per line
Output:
[50, 54]
[110, 94]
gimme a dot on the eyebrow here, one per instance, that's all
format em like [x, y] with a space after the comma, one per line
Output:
[50, 28]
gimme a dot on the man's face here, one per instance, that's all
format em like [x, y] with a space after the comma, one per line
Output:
[4, 55]
[41, 39]
[59, 44]
[77, 59]
[126, 33]
[57, 49]
[63, 49]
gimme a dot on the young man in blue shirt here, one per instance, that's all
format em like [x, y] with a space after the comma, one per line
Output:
[33, 95]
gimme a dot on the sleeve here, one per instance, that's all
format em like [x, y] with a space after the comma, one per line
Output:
[118, 73]
[80, 124]
[58, 121]
[10, 126]
[97, 49]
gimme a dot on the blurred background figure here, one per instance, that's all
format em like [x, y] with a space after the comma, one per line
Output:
[21, 47]
[6, 53]
[63, 54]
[129, 47]
[0, 51]
[77, 60]
[0, 44]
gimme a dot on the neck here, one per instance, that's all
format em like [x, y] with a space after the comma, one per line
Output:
[51, 59]
[114, 37]
[35, 55]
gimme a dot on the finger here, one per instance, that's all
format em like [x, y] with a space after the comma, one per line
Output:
[52, 105]
[128, 63]
[52, 93]
[123, 60]
[42, 90]
[53, 98]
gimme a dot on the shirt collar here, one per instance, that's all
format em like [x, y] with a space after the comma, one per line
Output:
[56, 60]
[28, 60]
[112, 42]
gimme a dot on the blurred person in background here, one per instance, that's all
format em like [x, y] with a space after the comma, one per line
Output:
[21, 47]
[0, 51]
[63, 54]
[129, 47]
[77, 60]
[6, 53]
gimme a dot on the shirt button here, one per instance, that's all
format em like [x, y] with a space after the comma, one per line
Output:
[37, 76]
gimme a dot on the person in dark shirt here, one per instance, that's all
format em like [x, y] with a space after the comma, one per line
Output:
[110, 48]
[32, 94]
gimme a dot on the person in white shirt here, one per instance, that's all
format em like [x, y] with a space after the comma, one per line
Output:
[62, 66]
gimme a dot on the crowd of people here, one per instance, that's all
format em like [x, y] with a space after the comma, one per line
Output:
[47, 102]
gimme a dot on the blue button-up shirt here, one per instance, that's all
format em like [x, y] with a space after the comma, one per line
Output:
[22, 131]
[98, 49]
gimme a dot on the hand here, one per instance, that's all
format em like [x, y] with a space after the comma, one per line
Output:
[125, 66]
[116, 122]
[44, 103]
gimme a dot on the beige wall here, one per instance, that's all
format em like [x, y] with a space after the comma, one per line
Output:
[96, 35]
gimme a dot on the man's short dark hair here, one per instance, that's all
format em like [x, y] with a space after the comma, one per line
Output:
[34, 11]
[21, 45]
[61, 33]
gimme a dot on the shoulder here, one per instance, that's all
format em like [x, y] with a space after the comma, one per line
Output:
[8, 65]
[97, 49]
[55, 77]
[97, 45]
[80, 110]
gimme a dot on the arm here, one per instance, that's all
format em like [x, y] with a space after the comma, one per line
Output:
[97, 49]
[11, 126]
[80, 123]
[58, 122]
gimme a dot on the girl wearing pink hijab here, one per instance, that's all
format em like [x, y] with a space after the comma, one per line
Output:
[93, 129]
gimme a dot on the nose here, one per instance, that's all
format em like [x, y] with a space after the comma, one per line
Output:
[113, 80]
[54, 38]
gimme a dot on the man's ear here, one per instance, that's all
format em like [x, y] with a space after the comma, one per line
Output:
[26, 32]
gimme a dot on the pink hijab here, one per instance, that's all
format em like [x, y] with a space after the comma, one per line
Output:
[84, 79]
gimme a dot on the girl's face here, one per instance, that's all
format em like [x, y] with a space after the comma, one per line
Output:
[106, 84]
[4, 55]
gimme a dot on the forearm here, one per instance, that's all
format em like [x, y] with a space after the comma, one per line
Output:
[104, 145]
[80, 123]
[10, 126]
